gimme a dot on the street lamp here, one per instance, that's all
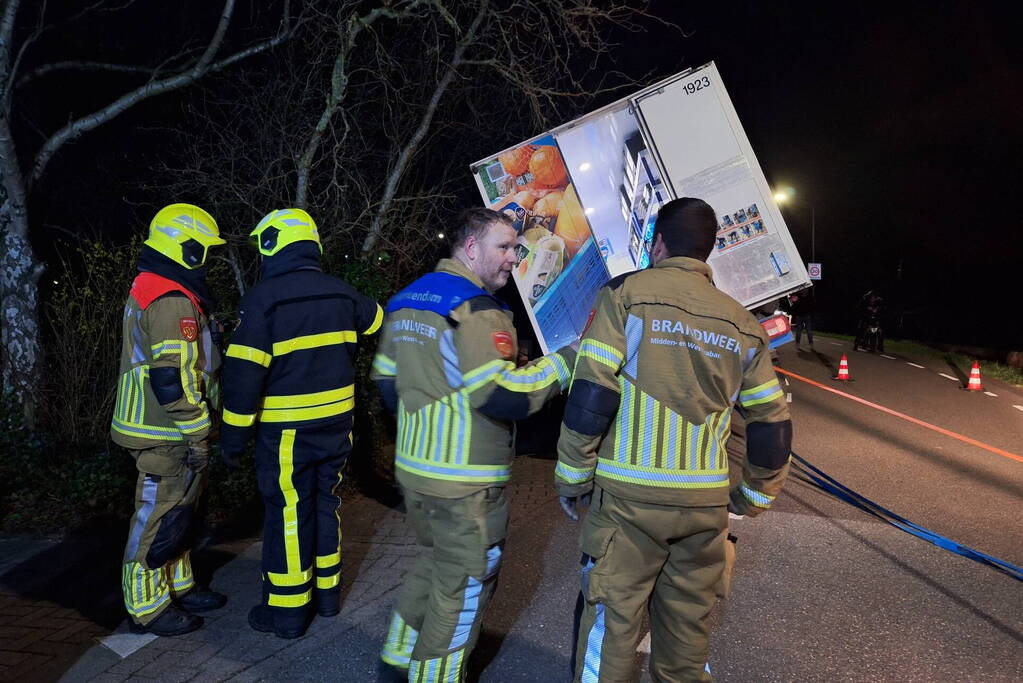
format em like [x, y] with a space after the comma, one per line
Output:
[788, 195]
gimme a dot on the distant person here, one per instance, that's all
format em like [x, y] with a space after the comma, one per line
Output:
[290, 373]
[801, 306]
[868, 328]
[660, 369]
[447, 366]
[164, 414]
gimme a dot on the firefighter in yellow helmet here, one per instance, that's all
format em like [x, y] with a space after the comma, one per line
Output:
[165, 410]
[289, 375]
[661, 367]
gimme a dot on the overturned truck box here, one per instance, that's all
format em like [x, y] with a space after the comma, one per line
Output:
[585, 195]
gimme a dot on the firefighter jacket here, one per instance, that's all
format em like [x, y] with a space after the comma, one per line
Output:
[168, 377]
[445, 365]
[661, 366]
[290, 362]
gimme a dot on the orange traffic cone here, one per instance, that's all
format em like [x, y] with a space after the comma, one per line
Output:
[975, 384]
[843, 370]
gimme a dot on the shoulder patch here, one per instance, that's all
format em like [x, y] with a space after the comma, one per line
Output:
[504, 344]
[189, 329]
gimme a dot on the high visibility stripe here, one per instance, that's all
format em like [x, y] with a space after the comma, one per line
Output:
[276, 600]
[286, 461]
[189, 381]
[250, 354]
[467, 614]
[377, 320]
[308, 400]
[720, 438]
[327, 561]
[327, 582]
[314, 413]
[573, 475]
[166, 347]
[757, 498]
[138, 393]
[290, 579]
[435, 470]
[623, 422]
[237, 419]
[546, 372]
[145, 590]
[383, 365]
[314, 341]
[765, 393]
[594, 646]
[197, 425]
[401, 638]
[693, 434]
[602, 353]
[672, 440]
[147, 431]
[660, 477]
[476, 378]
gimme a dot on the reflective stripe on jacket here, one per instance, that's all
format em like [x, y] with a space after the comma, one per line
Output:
[659, 370]
[450, 366]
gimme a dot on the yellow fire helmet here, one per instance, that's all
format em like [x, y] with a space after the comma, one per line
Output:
[282, 227]
[183, 233]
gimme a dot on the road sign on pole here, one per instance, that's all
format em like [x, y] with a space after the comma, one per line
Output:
[813, 270]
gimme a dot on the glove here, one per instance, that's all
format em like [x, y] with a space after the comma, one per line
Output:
[570, 504]
[231, 459]
[198, 455]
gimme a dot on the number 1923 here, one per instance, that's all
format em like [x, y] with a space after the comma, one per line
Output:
[691, 87]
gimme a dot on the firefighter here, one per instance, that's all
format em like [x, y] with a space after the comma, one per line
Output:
[163, 415]
[666, 358]
[446, 366]
[289, 372]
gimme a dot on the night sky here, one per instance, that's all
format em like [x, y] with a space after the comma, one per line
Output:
[898, 123]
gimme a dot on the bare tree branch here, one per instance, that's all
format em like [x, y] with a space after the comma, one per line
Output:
[74, 129]
[80, 65]
[401, 164]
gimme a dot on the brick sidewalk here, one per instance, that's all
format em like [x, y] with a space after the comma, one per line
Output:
[51, 612]
[377, 550]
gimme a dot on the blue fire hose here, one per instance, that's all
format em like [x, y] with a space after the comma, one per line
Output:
[821, 480]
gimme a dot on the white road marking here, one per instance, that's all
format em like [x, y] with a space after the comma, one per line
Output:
[124, 644]
[888, 357]
[954, 379]
[914, 364]
[990, 394]
[788, 398]
[644, 645]
[834, 343]
[786, 381]
[1019, 408]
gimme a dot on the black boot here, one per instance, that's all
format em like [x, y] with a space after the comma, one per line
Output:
[173, 621]
[200, 599]
[328, 602]
[265, 619]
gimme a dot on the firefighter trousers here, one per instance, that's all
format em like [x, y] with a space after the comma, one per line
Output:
[156, 565]
[637, 555]
[437, 619]
[299, 473]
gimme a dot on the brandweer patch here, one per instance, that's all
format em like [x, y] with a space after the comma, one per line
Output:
[703, 336]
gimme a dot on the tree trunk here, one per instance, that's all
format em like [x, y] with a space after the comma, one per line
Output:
[21, 360]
